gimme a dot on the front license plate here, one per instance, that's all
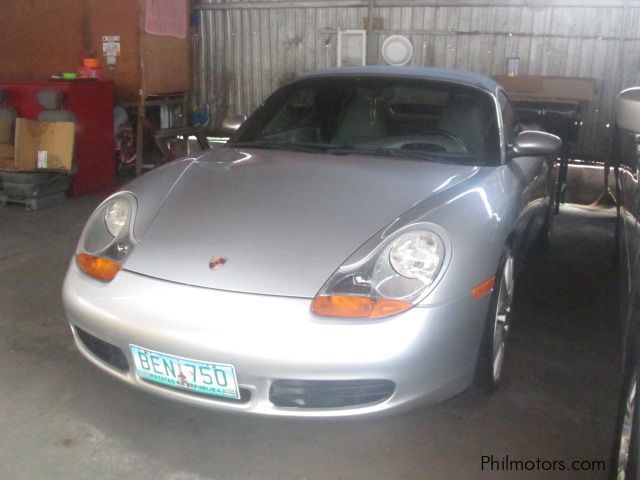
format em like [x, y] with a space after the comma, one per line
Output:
[216, 379]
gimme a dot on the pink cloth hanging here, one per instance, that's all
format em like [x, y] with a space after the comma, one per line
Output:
[166, 18]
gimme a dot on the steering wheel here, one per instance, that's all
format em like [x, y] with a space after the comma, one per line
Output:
[431, 140]
[450, 136]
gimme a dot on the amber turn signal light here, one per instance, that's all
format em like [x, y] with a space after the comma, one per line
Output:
[346, 306]
[98, 267]
[483, 288]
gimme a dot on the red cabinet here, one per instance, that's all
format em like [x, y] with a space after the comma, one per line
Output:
[92, 103]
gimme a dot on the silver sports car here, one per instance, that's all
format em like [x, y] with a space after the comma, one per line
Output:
[352, 249]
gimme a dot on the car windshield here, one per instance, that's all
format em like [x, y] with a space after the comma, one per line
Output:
[417, 119]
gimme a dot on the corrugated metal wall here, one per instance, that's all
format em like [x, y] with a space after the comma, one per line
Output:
[246, 49]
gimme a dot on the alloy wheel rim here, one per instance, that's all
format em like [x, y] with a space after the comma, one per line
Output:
[625, 434]
[502, 317]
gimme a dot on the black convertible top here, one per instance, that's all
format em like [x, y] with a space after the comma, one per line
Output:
[474, 79]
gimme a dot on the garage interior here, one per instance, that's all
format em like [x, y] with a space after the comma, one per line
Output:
[61, 418]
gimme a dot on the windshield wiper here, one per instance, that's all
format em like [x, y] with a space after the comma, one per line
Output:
[390, 152]
[297, 147]
[413, 154]
[347, 150]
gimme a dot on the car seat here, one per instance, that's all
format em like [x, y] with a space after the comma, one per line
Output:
[363, 118]
[51, 102]
[463, 117]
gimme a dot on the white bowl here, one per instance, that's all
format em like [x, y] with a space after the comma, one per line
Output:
[397, 50]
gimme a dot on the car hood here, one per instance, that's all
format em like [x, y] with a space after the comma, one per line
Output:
[284, 221]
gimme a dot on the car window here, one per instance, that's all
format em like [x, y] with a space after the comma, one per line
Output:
[509, 117]
[380, 114]
[298, 111]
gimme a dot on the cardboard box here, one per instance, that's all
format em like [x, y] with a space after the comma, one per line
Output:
[56, 138]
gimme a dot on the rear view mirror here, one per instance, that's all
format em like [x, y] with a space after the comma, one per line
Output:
[533, 143]
[233, 123]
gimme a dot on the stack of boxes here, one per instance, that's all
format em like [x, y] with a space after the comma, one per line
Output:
[36, 156]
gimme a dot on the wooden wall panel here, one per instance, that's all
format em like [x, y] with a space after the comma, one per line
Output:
[41, 38]
[167, 64]
[117, 17]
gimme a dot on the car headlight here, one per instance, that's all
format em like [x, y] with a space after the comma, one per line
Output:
[417, 255]
[394, 278]
[107, 238]
[116, 215]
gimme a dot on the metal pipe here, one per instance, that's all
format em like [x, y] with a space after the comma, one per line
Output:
[443, 33]
[369, 29]
[142, 92]
[501, 3]
[268, 4]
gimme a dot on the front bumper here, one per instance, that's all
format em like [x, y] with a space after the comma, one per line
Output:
[429, 353]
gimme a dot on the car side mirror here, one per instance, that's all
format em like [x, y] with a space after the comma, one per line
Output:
[233, 123]
[533, 143]
[628, 109]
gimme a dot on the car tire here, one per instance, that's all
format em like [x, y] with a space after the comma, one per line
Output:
[489, 367]
[624, 458]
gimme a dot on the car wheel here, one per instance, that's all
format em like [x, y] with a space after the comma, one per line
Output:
[494, 341]
[624, 463]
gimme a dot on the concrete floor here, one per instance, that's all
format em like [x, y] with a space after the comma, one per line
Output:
[60, 418]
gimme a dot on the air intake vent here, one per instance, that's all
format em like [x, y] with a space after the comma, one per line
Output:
[104, 351]
[329, 394]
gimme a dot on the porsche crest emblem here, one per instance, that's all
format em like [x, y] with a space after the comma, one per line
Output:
[217, 262]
